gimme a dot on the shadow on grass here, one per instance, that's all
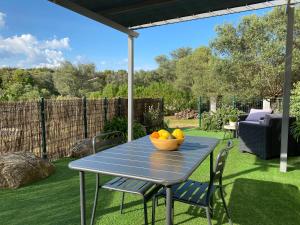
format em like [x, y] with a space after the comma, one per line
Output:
[262, 202]
[54, 200]
[255, 202]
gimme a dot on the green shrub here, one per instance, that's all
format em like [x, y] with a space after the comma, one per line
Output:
[216, 120]
[153, 120]
[295, 100]
[295, 130]
[120, 124]
[174, 100]
[233, 118]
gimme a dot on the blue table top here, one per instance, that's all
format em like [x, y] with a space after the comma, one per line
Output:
[139, 159]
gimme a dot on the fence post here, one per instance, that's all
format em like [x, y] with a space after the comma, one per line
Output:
[84, 117]
[199, 110]
[234, 102]
[105, 109]
[119, 107]
[43, 127]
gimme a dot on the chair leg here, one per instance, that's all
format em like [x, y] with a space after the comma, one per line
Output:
[95, 199]
[122, 202]
[145, 211]
[154, 204]
[208, 215]
[225, 206]
[173, 209]
[211, 206]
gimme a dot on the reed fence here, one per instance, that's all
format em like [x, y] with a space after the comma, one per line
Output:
[50, 128]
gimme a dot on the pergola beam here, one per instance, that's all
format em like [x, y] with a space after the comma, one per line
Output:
[95, 16]
[262, 5]
[287, 87]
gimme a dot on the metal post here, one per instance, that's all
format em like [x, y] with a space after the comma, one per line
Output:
[199, 110]
[105, 109]
[287, 88]
[130, 86]
[43, 127]
[169, 205]
[82, 197]
[84, 117]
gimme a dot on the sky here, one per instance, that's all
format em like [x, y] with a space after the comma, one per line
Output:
[37, 33]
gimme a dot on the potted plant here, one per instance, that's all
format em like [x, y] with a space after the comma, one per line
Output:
[233, 120]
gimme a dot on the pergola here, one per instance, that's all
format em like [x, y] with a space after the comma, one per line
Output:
[127, 16]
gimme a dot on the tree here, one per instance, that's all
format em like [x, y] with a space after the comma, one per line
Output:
[110, 90]
[71, 80]
[16, 83]
[175, 100]
[195, 73]
[115, 77]
[167, 65]
[43, 80]
[252, 54]
[144, 78]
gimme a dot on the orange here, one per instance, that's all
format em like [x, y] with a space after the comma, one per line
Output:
[155, 134]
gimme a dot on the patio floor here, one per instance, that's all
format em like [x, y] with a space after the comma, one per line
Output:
[256, 192]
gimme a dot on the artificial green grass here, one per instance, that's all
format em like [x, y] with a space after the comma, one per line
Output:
[256, 193]
[198, 132]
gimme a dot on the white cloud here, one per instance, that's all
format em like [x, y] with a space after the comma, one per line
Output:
[2, 19]
[57, 44]
[27, 51]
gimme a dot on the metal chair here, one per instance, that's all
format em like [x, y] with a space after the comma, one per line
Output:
[197, 193]
[125, 185]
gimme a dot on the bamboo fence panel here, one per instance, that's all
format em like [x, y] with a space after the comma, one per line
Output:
[20, 127]
[20, 122]
[64, 126]
[95, 116]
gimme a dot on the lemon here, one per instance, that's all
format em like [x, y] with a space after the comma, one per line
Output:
[164, 133]
[162, 138]
[178, 133]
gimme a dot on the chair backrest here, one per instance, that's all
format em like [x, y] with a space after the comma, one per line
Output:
[104, 141]
[220, 163]
[218, 170]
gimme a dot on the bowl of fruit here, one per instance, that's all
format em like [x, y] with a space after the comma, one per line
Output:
[166, 141]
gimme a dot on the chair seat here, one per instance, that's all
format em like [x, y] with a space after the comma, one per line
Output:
[128, 185]
[191, 192]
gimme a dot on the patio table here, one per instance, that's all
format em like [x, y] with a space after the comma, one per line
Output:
[138, 159]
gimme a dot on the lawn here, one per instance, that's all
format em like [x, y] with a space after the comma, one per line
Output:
[256, 192]
[182, 123]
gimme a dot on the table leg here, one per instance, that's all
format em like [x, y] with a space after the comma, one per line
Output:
[82, 197]
[211, 172]
[169, 205]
